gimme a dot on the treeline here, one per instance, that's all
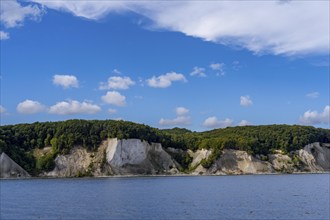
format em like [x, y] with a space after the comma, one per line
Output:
[263, 139]
[19, 140]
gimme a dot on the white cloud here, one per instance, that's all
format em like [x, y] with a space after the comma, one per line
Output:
[245, 101]
[114, 98]
[112, 111]
[164, 81]
[73, 107]
[314, 117]
[256, 26]
[66, 81]
[4, 35]
[181, 118]
[117, 82]
[30, 107]
[2, 109]
[181, 111]
[313, 95]
[13, 14]
[244, 123]
[198, 71]
[259, 26]
[219, 67]
[213, 122]
[88, 9]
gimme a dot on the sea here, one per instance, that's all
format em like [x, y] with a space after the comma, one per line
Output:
[291, 196]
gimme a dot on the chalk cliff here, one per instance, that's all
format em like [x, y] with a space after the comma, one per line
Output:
[136, 157]
[116, 157]
[239, 162]
[74, 164]
[315, 157]
[198, 156]
[10, 169]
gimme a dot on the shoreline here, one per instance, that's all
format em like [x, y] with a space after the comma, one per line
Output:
[164, 175]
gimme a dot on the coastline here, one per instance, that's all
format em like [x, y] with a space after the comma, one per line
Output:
[164, 175]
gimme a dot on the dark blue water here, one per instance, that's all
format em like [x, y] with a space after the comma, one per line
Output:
[206, 197]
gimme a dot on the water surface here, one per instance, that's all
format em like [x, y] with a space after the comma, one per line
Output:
[304, 196]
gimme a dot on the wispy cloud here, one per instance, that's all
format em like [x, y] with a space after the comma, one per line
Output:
[4, 35]
[313, 95]
[112, 111]
[178, 121]
[255, 26]
[219, 68]
[236, 65]
[13, 14]
[116, 71]
[2, 109]
[245, 101]
[92, 10]
[166, 80]
[198, 71]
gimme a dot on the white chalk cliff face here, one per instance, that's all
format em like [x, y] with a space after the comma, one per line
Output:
[239, 162]
[282, 162]
[316, 157]
[197, 158]
[313, 157]
[116, 157]
[73, 164]
[199, 155]
[10, 169]
[134, 156]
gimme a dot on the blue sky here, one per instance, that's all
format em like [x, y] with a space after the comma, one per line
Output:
[186, 64]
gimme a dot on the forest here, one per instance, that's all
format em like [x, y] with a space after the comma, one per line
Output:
[18, 141]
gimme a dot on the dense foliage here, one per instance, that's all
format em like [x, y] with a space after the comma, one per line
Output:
[19, 140]
[265, 139]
